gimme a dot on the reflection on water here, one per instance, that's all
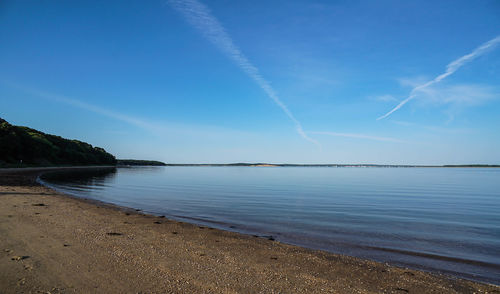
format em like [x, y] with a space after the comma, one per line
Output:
[438, 219]
[83, 178]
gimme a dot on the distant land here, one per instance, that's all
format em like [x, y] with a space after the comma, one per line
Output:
[325, 165]
[26, 147]
[137, 162]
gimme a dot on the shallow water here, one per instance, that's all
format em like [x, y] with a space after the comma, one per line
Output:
[438, 219]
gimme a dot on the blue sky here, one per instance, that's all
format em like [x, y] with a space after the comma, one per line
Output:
[259, 81]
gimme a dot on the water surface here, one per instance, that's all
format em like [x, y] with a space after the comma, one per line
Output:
[438, 219]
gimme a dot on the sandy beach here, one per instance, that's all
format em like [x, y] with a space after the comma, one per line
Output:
[55, 243]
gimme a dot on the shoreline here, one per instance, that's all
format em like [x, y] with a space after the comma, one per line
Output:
[116, 249]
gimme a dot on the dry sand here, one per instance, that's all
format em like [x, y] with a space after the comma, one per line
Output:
[54, 243]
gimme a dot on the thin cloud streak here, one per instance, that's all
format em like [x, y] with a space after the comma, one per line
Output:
[359, 136]
[89, 107]
[451, 68]
[156, 128]
[200, 17]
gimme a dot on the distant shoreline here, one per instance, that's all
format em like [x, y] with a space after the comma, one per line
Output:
[333, 165]
[121, 165]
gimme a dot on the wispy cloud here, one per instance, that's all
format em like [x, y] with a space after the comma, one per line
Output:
[359, 136]
[460, 95]
[436, 129]
[451, 68]
[200, 17]
[89, 107]
[157, 128]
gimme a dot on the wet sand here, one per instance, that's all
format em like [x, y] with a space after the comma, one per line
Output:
[55, 243]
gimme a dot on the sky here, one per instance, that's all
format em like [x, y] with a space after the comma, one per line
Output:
[197, 81]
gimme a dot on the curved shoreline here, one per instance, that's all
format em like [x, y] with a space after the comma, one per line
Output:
[173, 256]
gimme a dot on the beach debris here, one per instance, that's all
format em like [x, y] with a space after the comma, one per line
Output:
[175, 233]
[21, 281]
[157, 222]
[17, 258]
[161, 216]
[402, 290]
[8, 250]
[28, 267]
[274, 258]
[66, 245]
[127, 213]
[114, 234]
[38, 204]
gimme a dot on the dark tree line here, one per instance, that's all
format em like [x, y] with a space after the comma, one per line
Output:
[29, 147]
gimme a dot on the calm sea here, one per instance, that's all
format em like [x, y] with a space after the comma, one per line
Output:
[443, 220]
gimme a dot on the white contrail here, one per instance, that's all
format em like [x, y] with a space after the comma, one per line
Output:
[450, 69]
[200, 17]
[359, 136]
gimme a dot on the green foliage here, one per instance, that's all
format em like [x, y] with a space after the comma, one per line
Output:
[34, 148]
[140, 162]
